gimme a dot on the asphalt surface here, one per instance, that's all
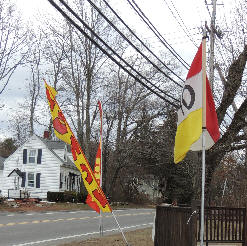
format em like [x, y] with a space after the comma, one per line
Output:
[55, 228]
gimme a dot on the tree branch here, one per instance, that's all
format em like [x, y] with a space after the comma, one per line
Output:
[234, 80]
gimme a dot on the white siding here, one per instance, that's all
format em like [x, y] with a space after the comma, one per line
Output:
[49, 169]
[1, 181]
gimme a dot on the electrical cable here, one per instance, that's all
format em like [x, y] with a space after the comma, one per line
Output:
[113, 51]
[130, 30]
[206, 4]
[158, 35]
[106, 53]
[130, 43]
[188, 35]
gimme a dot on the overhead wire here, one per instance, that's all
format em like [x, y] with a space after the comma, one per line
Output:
[220, 52]
[131, 31]
[140, 52]
[146, 20]
[206, 4]
[172, 33]
[185, 31]
[114, 52]
[109, 55]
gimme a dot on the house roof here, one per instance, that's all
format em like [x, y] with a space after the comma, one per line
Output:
[1, 162]
[52, 144]
[57, 144]
[17, 171]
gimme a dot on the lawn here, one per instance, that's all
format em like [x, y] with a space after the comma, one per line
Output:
[135, 238]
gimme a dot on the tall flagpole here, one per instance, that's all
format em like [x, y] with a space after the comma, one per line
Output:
[101, 175]
[203, 133]
[101, 168]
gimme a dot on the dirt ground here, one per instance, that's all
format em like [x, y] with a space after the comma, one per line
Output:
[33, 205]
[135, 238]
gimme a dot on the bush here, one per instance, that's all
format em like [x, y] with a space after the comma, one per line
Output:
[2, 200]
[66, 196]
[55, 196]
[81, 197]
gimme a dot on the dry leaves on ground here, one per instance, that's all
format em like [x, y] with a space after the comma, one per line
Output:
[134, 238]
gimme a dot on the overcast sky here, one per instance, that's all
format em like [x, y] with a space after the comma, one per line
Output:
[185, 15]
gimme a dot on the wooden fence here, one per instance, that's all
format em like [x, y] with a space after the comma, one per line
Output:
[180, 226]
[223, 225]
[171, 228]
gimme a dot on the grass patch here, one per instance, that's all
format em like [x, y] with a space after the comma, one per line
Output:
[141, 237]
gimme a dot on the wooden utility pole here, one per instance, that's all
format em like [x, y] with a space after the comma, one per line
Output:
[213, 31]
[212, 41]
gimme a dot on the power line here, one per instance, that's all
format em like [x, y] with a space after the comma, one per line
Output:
[157, 33]
[130, 30]
[130, 43]
[206, 4]
[110, 56]
[188, 35]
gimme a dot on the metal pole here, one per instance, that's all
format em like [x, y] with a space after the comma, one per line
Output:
[203, 132]
[120, 229]
[100, 224]
[203, 187]
[101, 168]
[212, 41]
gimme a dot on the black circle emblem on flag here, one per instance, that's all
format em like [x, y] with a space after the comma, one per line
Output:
[189, 104]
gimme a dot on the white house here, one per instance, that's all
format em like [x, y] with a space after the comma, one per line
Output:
[38, 166]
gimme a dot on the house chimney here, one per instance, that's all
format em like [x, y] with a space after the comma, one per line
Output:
[46, 134]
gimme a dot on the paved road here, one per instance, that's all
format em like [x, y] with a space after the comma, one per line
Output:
[54, 228]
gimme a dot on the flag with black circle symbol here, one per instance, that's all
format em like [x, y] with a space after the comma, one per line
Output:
[189, 124]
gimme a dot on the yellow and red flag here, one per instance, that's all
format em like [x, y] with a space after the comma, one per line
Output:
[189, 124]
[97, 166]
[63, 132]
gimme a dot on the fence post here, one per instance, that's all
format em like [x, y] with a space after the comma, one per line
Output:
[193, 238]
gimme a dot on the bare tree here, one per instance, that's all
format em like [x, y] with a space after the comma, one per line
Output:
[230, 93]
[13, 42]
[34, 84]
[82, 70]
[30, 111]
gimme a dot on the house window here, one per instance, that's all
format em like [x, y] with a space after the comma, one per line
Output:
[30, 179]
[32, 156]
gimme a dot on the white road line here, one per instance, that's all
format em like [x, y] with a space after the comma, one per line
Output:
[29, 214]
[81, 235]
[10, 215]
[49, 213]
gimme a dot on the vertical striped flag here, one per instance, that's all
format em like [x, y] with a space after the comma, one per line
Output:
[189, 124]
[63, 132]
[97, 165]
